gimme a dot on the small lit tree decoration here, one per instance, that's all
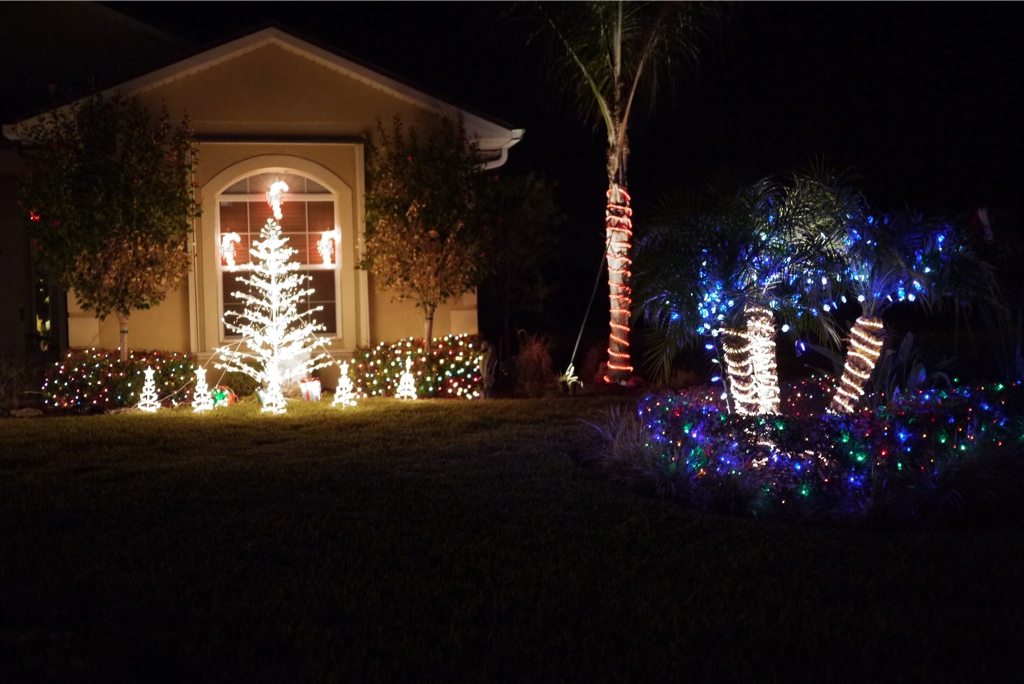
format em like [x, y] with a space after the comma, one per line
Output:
[345, 395]
[407, 384]
[202, 399]
[277, 341]
[148, 400]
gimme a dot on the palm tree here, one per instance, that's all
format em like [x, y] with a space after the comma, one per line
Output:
[729, 264]
[904, 258]
[614, 56]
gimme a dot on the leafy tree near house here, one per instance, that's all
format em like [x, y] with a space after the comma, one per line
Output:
[110, 202]
[423, 241]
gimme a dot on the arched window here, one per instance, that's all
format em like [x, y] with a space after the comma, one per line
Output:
[308, 221]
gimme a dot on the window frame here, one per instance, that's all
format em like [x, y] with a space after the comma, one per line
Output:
[331, 195]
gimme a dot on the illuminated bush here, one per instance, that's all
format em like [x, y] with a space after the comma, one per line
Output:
[451, 370]
[97, 380]
[809, 463]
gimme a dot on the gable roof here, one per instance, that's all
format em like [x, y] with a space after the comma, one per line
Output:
[495, 137]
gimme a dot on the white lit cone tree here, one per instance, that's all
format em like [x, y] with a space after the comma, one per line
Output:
[148, 400]
[406, 383]
[202, 399]
[345, 395]
[278, 342]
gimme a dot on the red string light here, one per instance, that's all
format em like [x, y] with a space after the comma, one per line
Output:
[619, 231]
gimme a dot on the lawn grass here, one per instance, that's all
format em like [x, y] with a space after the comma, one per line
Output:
[451, 541]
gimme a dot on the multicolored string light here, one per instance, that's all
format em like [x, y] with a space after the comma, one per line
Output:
[808, 452]
[452, 369]
[96, 380]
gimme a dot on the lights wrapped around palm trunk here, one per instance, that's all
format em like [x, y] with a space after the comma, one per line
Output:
[866, 341]
[761, 340]
[740, 371]
[618, 233]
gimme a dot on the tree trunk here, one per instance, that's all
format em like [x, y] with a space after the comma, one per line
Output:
[122, 322]
[739, 369]
[761, 336]
[428, 326]
[866, 340]
[618, 233]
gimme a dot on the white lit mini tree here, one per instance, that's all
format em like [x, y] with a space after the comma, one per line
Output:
[345, 395]
[278, 342]
[202, 399]
[407, 383]
[148, 400]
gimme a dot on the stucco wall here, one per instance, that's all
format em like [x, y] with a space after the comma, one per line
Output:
[318, 118]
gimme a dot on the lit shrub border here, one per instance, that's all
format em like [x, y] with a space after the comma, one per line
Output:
[450, 371]
[96, 380]
[809, 463]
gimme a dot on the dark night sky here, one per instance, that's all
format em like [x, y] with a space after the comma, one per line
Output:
[922, 100]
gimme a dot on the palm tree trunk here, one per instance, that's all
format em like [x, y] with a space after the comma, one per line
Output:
[866, 340]
[618, 233]
[761, 336]
[739, 368]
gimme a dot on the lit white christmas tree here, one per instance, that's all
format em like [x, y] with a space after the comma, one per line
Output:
[202, 399]
[278, 342]
[345, 395]
[148, 400]
[406, 383]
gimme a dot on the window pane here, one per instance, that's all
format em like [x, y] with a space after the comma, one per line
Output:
[321, 216]
[303, 224]
[322, 284]
[259, 212]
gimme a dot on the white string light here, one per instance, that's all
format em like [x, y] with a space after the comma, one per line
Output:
[148, 400]
[227, 248]
[275, 197]
[345, 395]
[202, 399]
[736, 346]
[866, 339]
[277, 341]
[407, 383]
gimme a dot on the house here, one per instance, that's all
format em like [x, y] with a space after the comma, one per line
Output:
[44, 54]
[271, 106]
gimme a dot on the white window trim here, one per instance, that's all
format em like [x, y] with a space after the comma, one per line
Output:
[351, 291]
